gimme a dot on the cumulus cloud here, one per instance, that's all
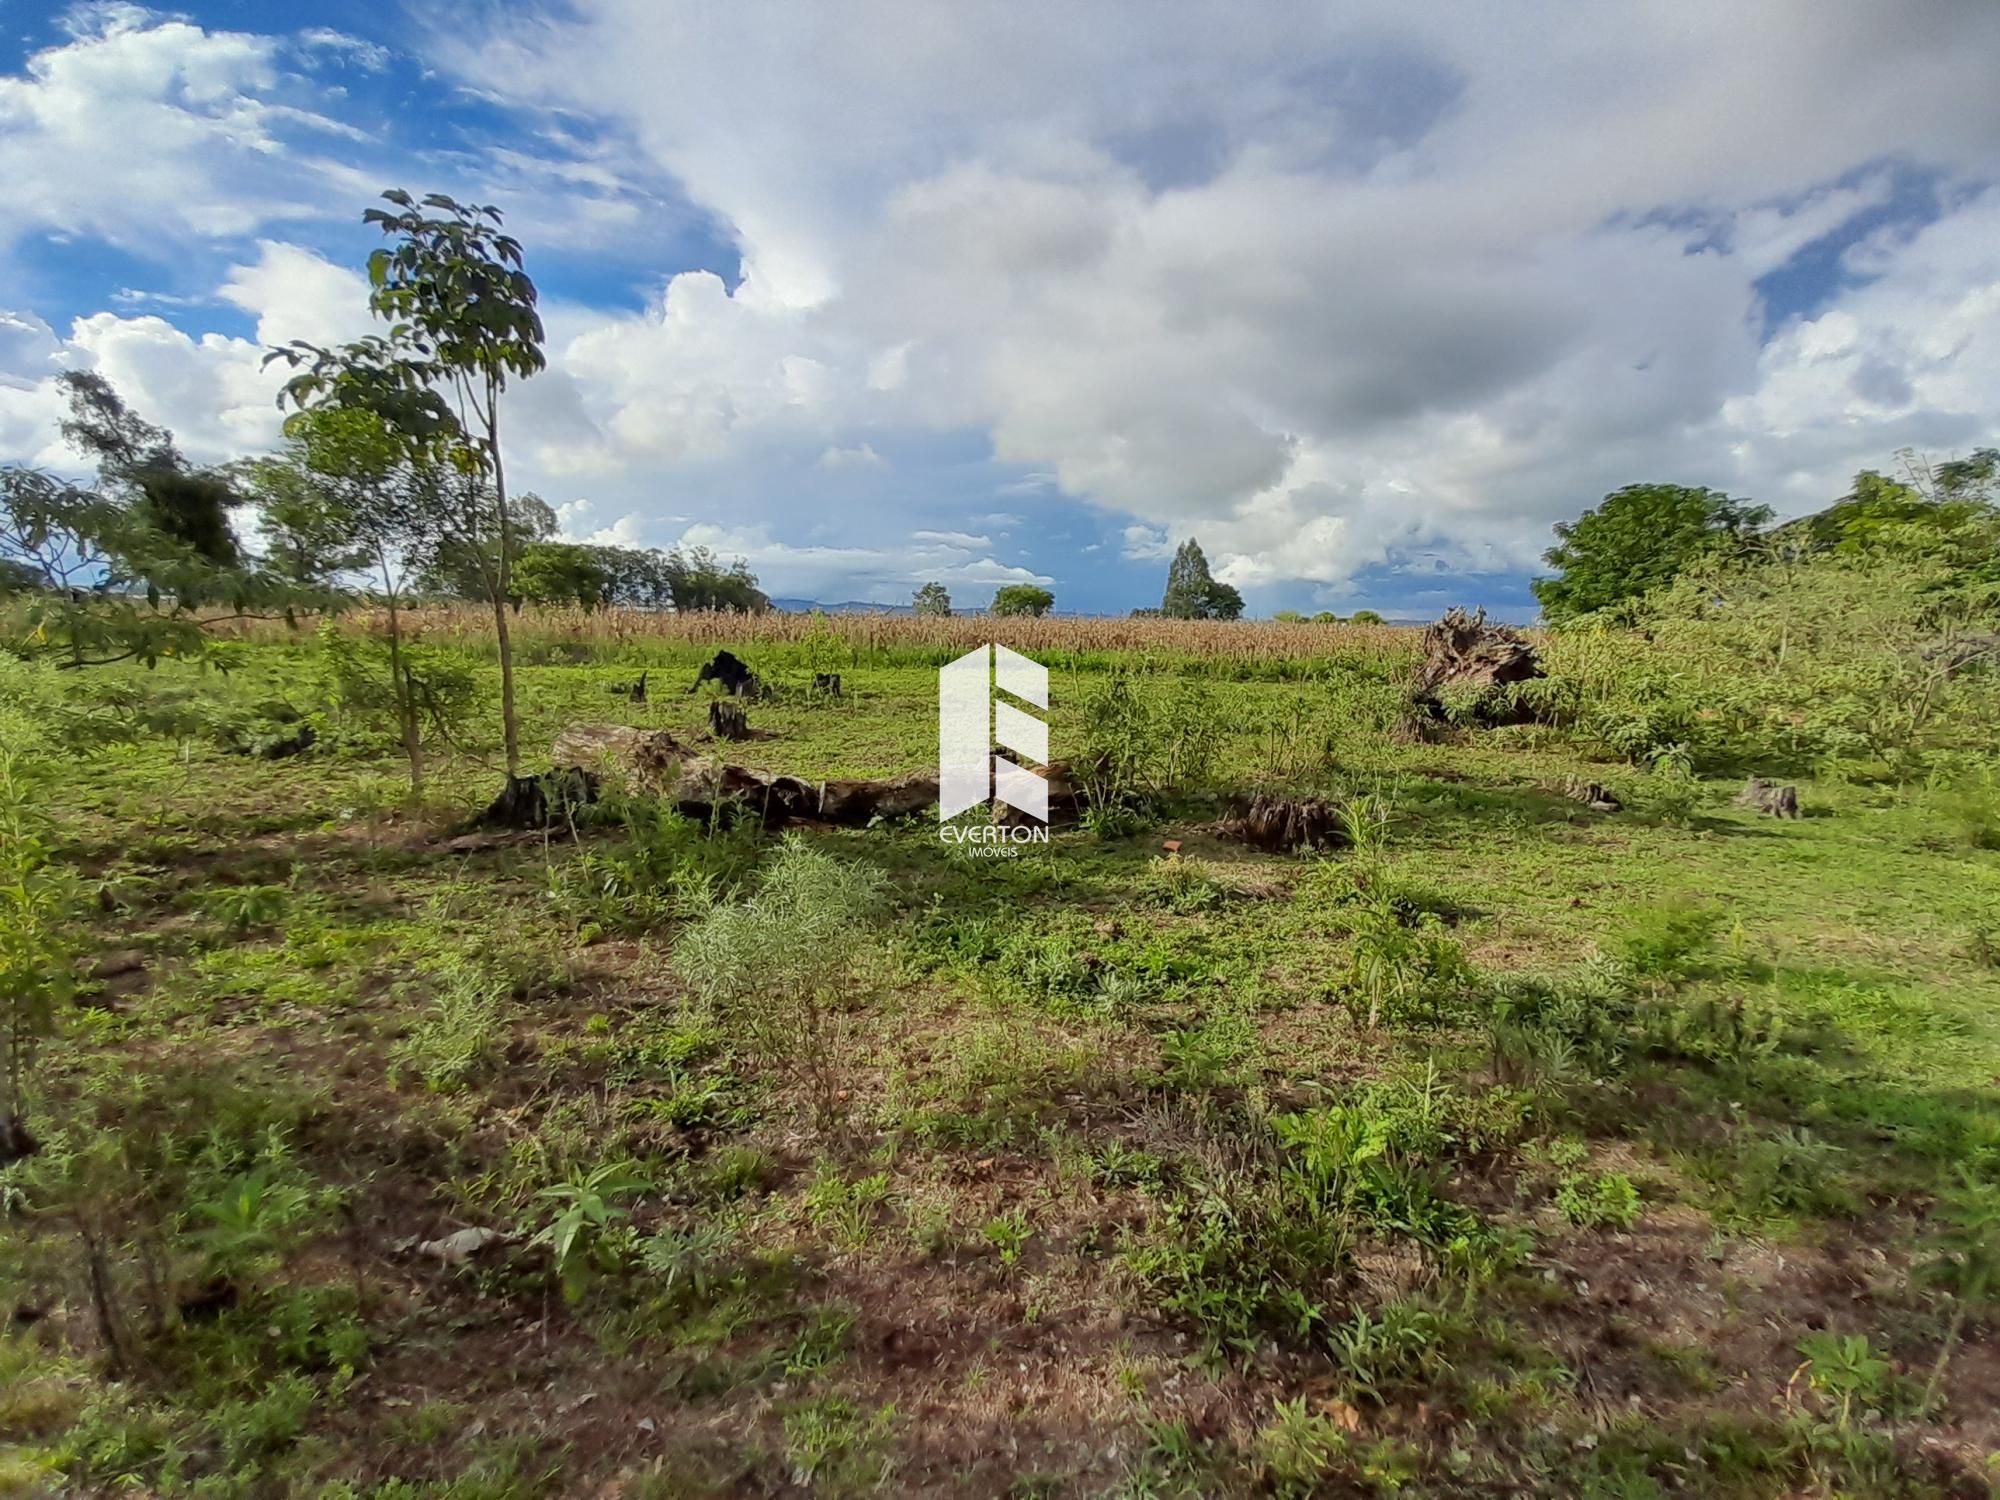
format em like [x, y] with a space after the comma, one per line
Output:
[861, 456]
[211, 390]
[138, 128]
[1336, 291]
[1328, 290]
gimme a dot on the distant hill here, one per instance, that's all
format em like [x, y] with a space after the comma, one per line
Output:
[846, 607]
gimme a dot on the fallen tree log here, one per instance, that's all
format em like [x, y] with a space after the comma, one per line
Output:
[1464, 656]
[652, 762]
[1066, 798]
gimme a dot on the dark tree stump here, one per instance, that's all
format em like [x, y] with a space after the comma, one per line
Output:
[542, 801]
[727, 669]
[728, 721]
[15, 1141]
[635, 691]
[827, 684]
[1592, 794]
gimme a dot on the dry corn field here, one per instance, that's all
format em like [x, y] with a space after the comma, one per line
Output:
[605, 631]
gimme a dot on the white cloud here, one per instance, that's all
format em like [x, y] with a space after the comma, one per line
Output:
[139, 128]
[211, 390]
[322, 42]
[880, 574]
[1325, 289]
[861, 456]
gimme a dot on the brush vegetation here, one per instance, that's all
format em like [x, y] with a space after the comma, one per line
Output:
[1509, 1147]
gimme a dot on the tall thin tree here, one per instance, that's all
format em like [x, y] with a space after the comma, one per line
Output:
[463, 324]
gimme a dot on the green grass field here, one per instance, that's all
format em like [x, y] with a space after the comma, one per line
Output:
[1513, 1148]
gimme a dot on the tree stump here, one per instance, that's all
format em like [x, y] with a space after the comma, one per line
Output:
[16, 1143]
[1462, 651]
[542, 801]
[1283, 824]
[827, 684]
[1592, 794]
[728, 721]
[1769, 798]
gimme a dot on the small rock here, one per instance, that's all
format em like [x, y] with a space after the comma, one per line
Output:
[459, 1247]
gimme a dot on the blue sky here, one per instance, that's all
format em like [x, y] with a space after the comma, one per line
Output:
[873, 293]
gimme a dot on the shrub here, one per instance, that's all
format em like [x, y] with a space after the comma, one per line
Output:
[40, 904]
[1674, 942]
[1143, 743]
[1401, 1344]
[785, 963]
[1591, 1202]
[1296, 1448]
[577, 1235]
[1403, 972]
[667, 866]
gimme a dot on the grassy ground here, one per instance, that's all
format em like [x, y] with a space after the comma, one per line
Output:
[1519, 1148]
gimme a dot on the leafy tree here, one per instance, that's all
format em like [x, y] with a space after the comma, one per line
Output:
[1944, 516]
[932, 599]
[1023, 599]
[141, 461]
[696, 580]
[1288, 617]
[1639, 538]
[1364, 617]
[1187, 583]
[463, 324]
[62, 554]
[562, 573]
[119, 572]
[307, 535]
[636, 577]
[463, 562]
[1326, 617]
[348, 495]
[1192, 593]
